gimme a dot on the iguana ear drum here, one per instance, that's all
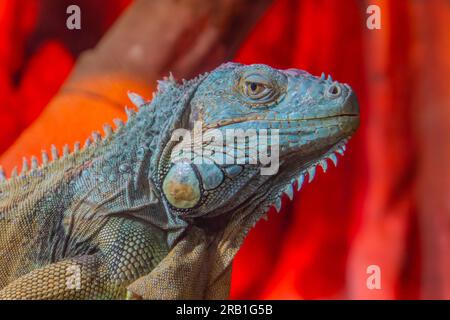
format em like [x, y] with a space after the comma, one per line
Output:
[181, 186]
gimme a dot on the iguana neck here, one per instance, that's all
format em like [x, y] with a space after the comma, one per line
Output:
[140, 137]
[122, 161]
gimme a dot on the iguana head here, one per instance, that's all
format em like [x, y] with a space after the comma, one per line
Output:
[251, 133]
[237, 139]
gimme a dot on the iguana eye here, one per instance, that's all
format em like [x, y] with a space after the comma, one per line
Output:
[254, 89]
[257, 88]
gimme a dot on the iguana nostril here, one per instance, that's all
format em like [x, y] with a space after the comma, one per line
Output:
[334, 91]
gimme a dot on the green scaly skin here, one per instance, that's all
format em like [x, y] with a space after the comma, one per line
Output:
[117, 210]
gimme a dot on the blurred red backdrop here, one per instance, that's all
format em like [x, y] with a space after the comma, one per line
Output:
[370, 210]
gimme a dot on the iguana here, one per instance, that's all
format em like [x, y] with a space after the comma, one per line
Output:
[122, 217]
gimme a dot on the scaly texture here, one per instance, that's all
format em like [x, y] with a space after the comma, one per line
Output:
[125, 219]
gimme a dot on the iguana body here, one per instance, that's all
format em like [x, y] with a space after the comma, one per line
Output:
[120, 214]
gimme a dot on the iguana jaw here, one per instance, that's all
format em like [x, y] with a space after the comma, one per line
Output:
[298, 173]
[298, 162]
[297, 168]
[295, 171]
[246, 217]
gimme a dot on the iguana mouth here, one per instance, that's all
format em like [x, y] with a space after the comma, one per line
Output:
[226, 122]
[273, 198]
[331, 116]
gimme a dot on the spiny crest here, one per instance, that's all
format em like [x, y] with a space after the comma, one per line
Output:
[119, 124]
[24, 166]
[34, 163]
[66, 150]
[328, 79]
[136, 99]
[45, 160]
[44, 156]
[170, 81]
[108, 131]
[310, 172]
[288, 190]
[131, 114]
[96, 138]
[2, 174]
[167, 82]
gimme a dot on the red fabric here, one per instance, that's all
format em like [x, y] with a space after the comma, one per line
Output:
[15, 26]
[36, 54]
[310, 252]
[303, 253]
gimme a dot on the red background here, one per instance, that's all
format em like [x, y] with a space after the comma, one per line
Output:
[383, 205]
